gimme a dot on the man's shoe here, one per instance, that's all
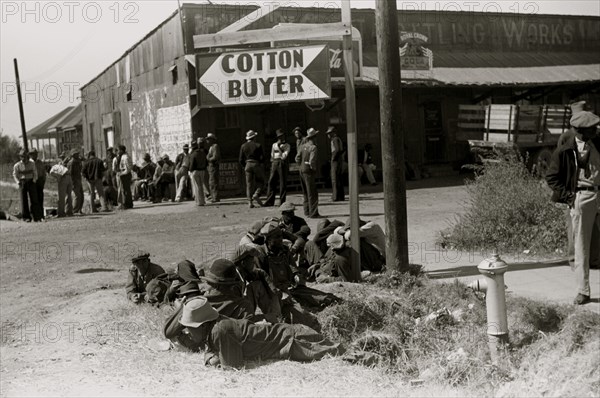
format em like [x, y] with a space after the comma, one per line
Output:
[257, 200]
[250, 205]
[581, 299]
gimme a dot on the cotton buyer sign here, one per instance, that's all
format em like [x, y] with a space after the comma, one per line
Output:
[264, 76]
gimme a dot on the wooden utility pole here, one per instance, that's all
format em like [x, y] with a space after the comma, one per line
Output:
[23, 129]
[392, 140]
[352, 141]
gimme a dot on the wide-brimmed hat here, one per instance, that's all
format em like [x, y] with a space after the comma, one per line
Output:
[140, 255]
[222, 271]
[577, 107]
[74, 152]
[256, 227]
[279, 133]
[251, 134]
[243, 252]
[311, 132]
[196, 312]
[188, 288]
[331, 129]
[584, 119]
[211, 136]
[296, 129]
[165, 157]
[23, 152]
[335, 241]
[271, 230]
[286, 207]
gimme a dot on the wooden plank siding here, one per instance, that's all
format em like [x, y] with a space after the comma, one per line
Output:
[152, 90]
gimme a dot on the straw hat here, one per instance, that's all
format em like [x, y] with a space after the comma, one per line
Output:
[335, 241]
[251, 134]
[311, 133]
[222, 271]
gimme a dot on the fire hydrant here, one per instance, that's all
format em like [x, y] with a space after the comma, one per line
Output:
[493, 270]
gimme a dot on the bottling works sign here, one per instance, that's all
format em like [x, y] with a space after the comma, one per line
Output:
[263, 76]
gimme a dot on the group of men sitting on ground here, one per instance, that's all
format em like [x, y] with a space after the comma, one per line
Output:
[256, 304]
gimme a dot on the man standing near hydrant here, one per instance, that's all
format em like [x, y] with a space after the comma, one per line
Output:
[214, 158]
[337, 164]
[25, 175]
[574, 176]
[252, 159]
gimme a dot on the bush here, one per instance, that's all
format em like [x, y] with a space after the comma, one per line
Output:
[510, 210]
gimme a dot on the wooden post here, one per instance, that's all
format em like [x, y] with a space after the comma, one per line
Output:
[22, 114]
[352, 141]
[392, 140]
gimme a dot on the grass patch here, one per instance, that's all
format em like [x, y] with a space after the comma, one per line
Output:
[437, 333]
[510, 210]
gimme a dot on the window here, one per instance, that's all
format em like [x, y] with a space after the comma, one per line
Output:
[173, 70]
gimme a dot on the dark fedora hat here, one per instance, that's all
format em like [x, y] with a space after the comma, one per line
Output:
[222, 271]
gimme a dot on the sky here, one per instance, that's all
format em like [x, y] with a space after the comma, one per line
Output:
[62, 45]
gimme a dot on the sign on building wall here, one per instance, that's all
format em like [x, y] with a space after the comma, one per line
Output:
[174, 129]
[413, 53]
[263, 76]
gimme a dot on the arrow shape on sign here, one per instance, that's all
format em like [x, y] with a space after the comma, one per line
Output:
[268, 75]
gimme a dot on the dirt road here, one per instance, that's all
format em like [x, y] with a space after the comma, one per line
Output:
[67, 328]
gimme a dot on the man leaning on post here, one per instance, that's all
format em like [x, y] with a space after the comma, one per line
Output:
[574, 176]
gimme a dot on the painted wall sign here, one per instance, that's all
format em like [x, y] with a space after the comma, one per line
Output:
[174, 129]
[413, 54]
[263, 76]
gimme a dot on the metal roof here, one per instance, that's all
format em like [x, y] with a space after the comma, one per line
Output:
[41, 130]
[531, 76]
[69, 121]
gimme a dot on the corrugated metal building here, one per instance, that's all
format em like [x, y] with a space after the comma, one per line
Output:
[147, 98]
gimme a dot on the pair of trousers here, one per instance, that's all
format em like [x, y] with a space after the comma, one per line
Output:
[198, 177]
[255, 179]
[78, 192]
[337, 181]
[213, 181]
[585, 216]
[182, 179]
[310, 193]
[29, 200]
[39, 188]
[95, 186]
[65, 198]
[279, 175]
[125, 198]
[368, 170]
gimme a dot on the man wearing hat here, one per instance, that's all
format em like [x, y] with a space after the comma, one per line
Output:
[307, 159]
[93, 171]
[337, 164]
[230, 342]
[280, 167]
[213, 158]
[223, 287]
[335, 265]
[40, 183]
[574, 176]
[141, 272]
[294, 228]
[25, 175]
[75, 167]
[141, 189]
[182, 175]
[198, 172]
[65, 186]
[252, 159]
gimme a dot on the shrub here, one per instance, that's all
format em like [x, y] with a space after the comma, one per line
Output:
[508, 209]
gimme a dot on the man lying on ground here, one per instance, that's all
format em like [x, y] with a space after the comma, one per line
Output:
[230, 342]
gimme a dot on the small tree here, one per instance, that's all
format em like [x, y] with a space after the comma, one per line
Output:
[9, 148]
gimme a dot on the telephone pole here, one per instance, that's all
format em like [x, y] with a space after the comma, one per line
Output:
[23, 129]
[392, 139]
